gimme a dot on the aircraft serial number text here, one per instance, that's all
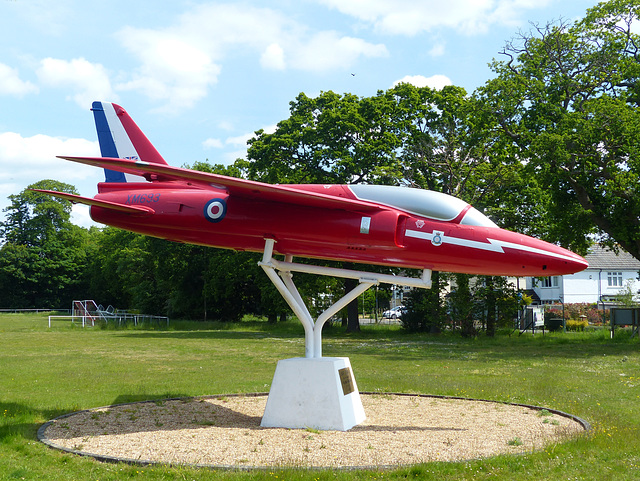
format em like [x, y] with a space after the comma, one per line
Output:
[143, 198]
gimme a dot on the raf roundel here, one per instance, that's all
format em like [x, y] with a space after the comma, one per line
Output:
[215, 210]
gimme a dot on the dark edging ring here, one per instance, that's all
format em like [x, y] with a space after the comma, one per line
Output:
[136, 462]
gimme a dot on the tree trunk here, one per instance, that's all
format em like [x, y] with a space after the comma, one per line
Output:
[353, 323]
[463, 305]
[491, 307]
[435, 308]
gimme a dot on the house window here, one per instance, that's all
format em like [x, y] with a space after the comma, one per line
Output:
[550, 281]
[614, 279]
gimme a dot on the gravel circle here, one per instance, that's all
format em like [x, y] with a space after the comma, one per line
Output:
[224, 432]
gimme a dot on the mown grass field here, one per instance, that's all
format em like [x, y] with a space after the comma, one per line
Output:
[48, 372]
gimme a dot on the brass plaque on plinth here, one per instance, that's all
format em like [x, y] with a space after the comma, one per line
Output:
[347, 380]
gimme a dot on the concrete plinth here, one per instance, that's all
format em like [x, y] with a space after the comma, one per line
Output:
[319, 393]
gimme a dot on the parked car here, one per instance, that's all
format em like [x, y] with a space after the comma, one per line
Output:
[395, 313]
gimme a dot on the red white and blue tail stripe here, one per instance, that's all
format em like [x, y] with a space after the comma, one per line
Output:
[120, 137]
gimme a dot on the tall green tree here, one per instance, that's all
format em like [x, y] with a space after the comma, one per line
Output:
[450, 145]
[461, 305]
[43, 256]
[497, 302]
[107, 269]
[425, 308]
[331, 138]
[567, 98]
[135, 272]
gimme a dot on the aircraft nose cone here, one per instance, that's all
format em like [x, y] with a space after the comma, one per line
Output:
[555, 260]
[573, 262]
[539, 258]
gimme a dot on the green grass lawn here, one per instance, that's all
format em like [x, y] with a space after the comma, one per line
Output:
[48, 372]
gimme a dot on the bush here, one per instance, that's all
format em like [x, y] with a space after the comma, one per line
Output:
[424, 312]
[574, 310]
[575, 325]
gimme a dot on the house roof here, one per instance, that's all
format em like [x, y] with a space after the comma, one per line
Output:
[604, 258]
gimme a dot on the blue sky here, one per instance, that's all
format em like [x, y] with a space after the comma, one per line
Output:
[200, 77]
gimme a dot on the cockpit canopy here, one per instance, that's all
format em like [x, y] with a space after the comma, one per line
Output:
[426, 203]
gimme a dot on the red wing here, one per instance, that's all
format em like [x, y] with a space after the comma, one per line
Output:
[76, 199]
[235, 186]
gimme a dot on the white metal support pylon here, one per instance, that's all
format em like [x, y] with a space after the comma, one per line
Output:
[285, 285]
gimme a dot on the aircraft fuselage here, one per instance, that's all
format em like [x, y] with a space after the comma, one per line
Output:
[386, 236]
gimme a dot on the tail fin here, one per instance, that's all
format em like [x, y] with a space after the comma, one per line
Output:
[120, 137]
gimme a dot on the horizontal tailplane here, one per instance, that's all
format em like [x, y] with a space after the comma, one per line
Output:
[77, 199]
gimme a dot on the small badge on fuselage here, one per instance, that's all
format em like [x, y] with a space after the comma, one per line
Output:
[436, 240]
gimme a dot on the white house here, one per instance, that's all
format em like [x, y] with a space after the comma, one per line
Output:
[605, 278]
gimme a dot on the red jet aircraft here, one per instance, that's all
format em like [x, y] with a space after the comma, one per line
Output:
[368, 224]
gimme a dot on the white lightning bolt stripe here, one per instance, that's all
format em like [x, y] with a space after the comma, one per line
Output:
[493, 245]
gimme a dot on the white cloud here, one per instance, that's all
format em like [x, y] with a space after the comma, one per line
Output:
[172, 68]
[240, 140]
[179, 63]
[270, 129]
[213, 144]
[45, 17]
[437, 50]
[80, 216]
[11, 84]
[230, 157]
[435, 81]
[329, 51]
[410, 17]
[509, 12]
[90, 81]
[273, 57]
[237, 144]
[24, 160]
[226, 125]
